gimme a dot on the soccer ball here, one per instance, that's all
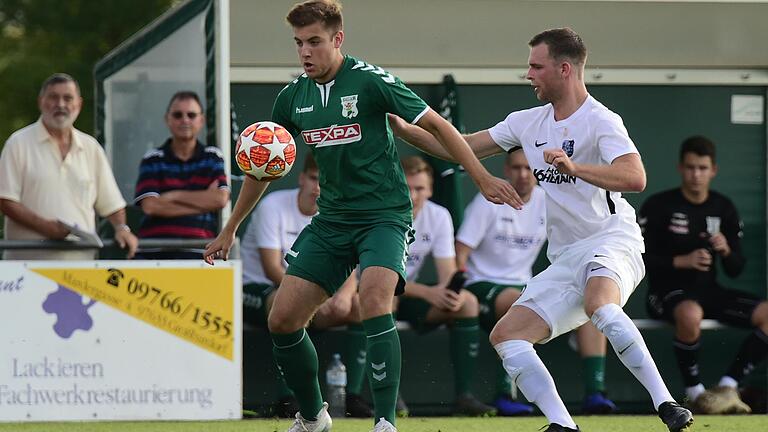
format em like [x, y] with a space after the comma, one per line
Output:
[265, 151]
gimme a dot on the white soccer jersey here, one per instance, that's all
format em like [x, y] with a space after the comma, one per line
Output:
[505, 241]
[275, 224]
[576, 210]
[433, 235]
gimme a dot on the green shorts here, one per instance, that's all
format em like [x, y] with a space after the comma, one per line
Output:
[255, 303]
[327, 253]
[486, 293]
[414, 311]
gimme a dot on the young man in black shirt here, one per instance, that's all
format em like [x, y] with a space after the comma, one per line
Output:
[686, 230]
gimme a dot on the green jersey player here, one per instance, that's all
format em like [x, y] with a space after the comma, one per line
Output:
[339, 107]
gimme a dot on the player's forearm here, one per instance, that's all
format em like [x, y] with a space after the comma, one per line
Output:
[25, 217]
[416, 290]
[161, 207]
[462, 254]
[250, 193]
[622, 177]
[204, 200]
[422, 140]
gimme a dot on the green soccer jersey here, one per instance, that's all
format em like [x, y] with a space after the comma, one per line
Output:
[344, 123]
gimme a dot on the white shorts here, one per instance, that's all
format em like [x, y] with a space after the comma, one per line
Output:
[557, 293]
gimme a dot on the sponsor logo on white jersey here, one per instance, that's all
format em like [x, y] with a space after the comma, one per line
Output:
[333, 135]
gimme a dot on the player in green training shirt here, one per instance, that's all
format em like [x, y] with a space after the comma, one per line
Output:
[339, 107]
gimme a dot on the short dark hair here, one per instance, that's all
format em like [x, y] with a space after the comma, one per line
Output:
[563, 43]
[184, 95]
[58, 78]
[309, 163]
[327, 12]
[699, 145]
[413, 165]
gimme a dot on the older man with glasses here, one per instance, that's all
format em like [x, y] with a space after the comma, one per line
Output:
[181, 185]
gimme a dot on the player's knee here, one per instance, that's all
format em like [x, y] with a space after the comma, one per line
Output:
[282, 324]
[760, 315]
[688, 316]
[470, 307]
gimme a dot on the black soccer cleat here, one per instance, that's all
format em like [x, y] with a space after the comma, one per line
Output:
[358, 407]
[554, 427]
[676, 417]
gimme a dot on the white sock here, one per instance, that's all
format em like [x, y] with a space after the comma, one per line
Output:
[693, 392]
[532, 378]
[727, 381]
[629, 346]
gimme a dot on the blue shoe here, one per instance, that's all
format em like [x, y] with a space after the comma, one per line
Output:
[597, 403]
[507, 407]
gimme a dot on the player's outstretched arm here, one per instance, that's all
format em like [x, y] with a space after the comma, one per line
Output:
[250, 193]
[625, 174]
[494, 189]
[481, 143]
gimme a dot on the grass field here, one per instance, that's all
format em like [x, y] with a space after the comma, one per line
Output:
[424, 424]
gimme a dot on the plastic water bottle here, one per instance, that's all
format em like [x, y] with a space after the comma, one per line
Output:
[336, 379]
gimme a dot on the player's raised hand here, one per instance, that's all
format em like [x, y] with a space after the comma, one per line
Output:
[560, 160]
[499, 191]
[219, 247]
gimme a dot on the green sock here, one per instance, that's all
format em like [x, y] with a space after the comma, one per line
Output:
[297, 360]
[503, 382]
[355, 358]
[465, 333]
[594, 374]
[283, 391]
[383, 365]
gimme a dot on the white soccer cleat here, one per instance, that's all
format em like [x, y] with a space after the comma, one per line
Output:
[322, 424]
[384, 426]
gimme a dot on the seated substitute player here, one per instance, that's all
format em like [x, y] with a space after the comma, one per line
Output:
[498, 246]
[583, 158]
[426, 307]
[274, 226]
[686, 230]
[339, 107]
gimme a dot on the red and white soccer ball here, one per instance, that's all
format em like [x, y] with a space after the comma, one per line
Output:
[265, 151]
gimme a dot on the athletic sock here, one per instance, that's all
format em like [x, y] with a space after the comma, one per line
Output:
[629, 346]
[503, 382]
[693, 392]
[355, 358]
[532, 378]
[465, 334]
[296, 359]
[383, 357]
[687, 355]
[594, 374]
[753, 351]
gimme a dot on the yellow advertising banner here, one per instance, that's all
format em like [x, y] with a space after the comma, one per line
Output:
[194, 304]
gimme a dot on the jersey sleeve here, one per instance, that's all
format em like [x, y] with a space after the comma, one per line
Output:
[266, 231]
[444, 247]
[477, 218]
[218, 171]
[281, 112]
[146, 184]
[505, 133]
[12, 163]
[613, 139]
[396, 98]
[731, 228]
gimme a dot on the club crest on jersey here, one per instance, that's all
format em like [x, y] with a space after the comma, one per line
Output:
[349, 106]
[568, 147]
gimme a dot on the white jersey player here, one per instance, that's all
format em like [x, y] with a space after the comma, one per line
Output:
[583, 158]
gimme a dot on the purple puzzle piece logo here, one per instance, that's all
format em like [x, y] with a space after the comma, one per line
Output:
[70, 311]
